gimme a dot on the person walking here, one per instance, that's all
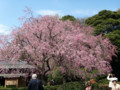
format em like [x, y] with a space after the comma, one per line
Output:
[35, 84]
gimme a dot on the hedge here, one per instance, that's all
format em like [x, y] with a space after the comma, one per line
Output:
[72, 86]
[12, 88]
[50, 87]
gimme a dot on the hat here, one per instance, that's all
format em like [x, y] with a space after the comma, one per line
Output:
[114, 79]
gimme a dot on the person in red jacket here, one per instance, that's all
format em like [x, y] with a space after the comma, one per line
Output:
[92, 81]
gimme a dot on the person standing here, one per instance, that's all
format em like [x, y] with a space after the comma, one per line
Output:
[88, 86]
[35, 84]
[51, 82]
[110, 77]
[115, 85]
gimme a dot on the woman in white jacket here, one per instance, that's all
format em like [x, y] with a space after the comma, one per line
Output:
[115, 85]
[111, 77]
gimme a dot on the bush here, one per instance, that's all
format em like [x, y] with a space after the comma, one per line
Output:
[12, 88]
[118, 82]
[103, 88]
[95, 86]
[50, 87]
[102, 79]
[58, 77]
[72, 86]
[49, 77]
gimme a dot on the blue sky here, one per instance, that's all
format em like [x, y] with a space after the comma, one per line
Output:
[11, 10]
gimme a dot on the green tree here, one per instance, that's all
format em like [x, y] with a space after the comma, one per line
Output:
[68, 17]
[104, 22]
[107, 23]
[118, 11]
[115, 38]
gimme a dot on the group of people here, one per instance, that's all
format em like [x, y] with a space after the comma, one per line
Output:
[113, 82]
[113, 85]
[36, 84]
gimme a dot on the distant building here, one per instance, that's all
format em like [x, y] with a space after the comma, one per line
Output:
[10, 78]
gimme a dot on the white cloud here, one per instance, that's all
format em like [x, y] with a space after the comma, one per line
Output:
[49, 12]
[4, 30]
[86, 12]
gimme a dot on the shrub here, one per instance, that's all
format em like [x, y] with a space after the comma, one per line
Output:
[104, 81]
[12, 87]
[72, 86]
[103, 88]
[100, 77]
[95, 86]
[50, 87]
[49, 77]
[118, 82]
[58, 77]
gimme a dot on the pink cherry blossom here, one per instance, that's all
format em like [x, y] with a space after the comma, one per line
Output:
[47, 43]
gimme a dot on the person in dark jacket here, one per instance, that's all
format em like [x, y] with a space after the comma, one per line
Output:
[35, 84]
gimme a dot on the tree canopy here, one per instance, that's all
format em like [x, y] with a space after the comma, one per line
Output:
[48, 43]
[68, 17]
[107, 23]
[104, 22]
